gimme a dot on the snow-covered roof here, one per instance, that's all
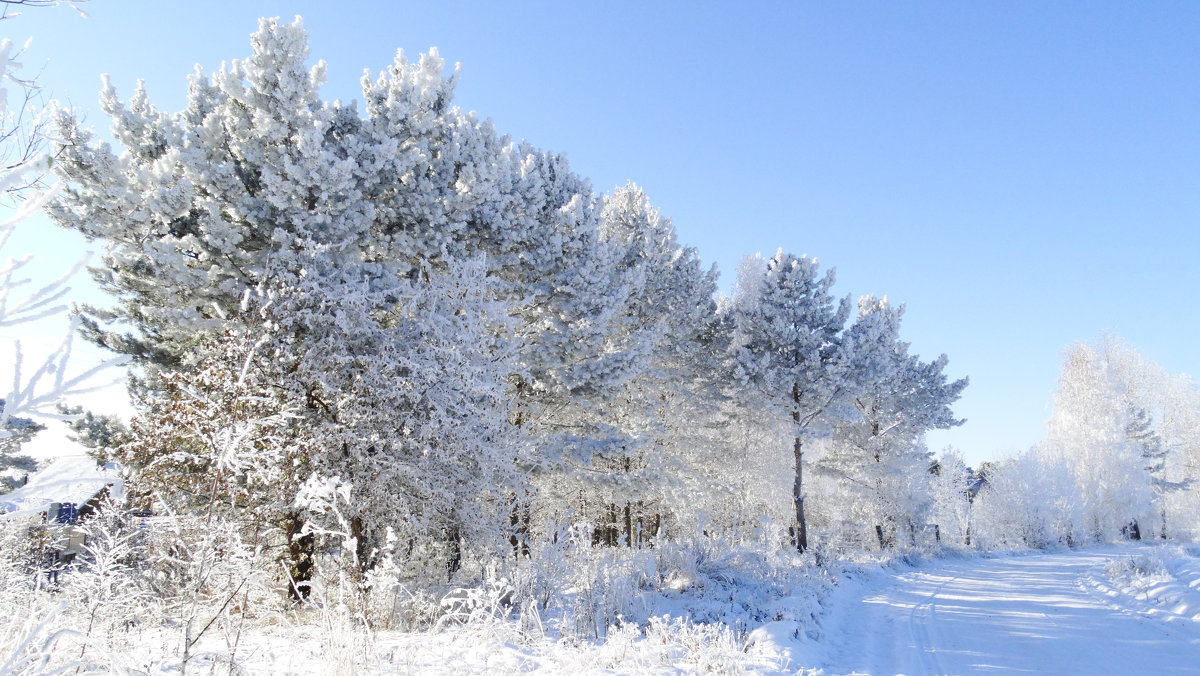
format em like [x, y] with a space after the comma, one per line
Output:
[68, 479]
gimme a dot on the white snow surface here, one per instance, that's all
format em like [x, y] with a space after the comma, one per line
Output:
[1116, 609]
[1062, 612]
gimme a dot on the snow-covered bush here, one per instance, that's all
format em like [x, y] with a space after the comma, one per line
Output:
[394, 596]
[106, 585]
[1141, 565]
[599, 588]
[951, 500]
[1027, 502]
[32, 640]
[707, 648]
[31, 627]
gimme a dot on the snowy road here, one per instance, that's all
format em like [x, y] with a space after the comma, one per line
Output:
[1055, 613]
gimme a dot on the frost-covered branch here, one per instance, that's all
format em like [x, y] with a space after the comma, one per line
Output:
[38, 387]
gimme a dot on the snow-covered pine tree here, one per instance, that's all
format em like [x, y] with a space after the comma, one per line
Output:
[411, 406]
[1141, 433]
[790, 353]
[14, 466]
[402, 411]
[1147, 393]
[206, 203]
[101, 433]
[879, 455]
[668, 322]
[260, 186]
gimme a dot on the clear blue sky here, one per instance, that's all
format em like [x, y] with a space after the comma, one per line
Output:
[1021, 174]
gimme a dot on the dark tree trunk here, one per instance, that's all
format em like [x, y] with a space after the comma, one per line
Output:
[612, 535]
[800, 529]
[604, 533]
[519, 517]
[300, 557]
[1132, 531]
[362, 545]
[454, 561]
[642, 524]
[519, 534]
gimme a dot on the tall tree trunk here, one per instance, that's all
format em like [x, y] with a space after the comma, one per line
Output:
[519, 517]
[614, 532]
[628, 525]
[454, 541]
[800, 529]
[363, 551]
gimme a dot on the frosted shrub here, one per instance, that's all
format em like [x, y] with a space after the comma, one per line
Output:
[31, 637]
[106, 586]
[346, 640]
[538, 579]
[603, 591]
[738, 584]
[706, 648]
[30, 643]
[20, 560]
[712, 559]
[1136, 566]
[485, 614]
[581, 590]
[210, 578]
[401, 607]
[680, 564]
[617, 579]
[488, 604]
[391, 602]
[37, 632]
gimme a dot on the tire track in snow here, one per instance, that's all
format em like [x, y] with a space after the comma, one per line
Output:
[919, 629]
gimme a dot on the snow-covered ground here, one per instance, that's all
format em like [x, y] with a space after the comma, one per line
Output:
[1111, 610]
[1117, 609]
[1120, 609]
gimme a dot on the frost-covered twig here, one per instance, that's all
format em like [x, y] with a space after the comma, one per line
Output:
[21, 301]
[27, 644]
[39, 393]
